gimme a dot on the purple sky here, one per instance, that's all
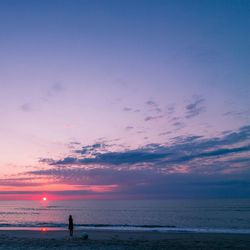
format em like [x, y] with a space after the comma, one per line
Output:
[124, 99]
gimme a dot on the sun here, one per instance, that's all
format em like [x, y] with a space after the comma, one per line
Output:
[44, 198]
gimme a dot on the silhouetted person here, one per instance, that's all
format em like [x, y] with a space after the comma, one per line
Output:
[71, 225]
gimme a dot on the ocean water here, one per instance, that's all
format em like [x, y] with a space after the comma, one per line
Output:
[162, 215]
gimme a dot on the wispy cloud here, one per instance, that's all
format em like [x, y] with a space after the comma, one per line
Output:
[48, 94]
[129, 128]
[127, 109]
[26, 107]
[52, 91]
[178, 125]
[151, 103]
[20, 182]
[195, 107]
[154, 106]
[134, 110]
[151, 118]
[165, 133]
[171, 109]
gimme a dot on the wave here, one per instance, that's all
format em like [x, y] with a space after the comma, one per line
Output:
[109, 227]
[62, 225]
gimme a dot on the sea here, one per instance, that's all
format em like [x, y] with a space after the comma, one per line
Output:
[210, 215]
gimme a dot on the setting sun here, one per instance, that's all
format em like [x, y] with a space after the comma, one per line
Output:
[44, 198]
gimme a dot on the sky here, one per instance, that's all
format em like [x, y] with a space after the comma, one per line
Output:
[124, 99]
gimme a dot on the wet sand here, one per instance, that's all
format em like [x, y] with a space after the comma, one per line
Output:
[98, 239]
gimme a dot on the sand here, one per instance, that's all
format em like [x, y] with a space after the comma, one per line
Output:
[119, 240]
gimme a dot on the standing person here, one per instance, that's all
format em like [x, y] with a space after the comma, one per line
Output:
[71, 225]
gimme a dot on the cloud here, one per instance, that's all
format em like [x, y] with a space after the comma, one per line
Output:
[171, 109]
[141, 132]
[57, 87]
[151, 103]
[127, 109]
[165, 133]
[63, 192]
[178, 125]
[184, 150]
[26, 107]
[51, 92]
[129, 128]
[46, 160]
[158, 110]
[65, 161]
[115, 158]
[73, 144]
[151, 118]
[195, 107]
[93, 149]
[94, 176]
[148, 183]
[212, 153]
[237, 114]
[185, 166]
[154, 106]
[20, 182]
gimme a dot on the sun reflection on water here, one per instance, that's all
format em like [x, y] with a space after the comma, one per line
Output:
[44, 229]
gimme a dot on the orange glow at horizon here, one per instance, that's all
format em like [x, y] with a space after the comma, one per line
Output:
[46, 192]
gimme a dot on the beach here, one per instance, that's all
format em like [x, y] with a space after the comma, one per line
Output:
[100, 239]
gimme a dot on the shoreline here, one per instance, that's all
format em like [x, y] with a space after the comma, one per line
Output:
[132, 229]
[106, 234]
[112, 240]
